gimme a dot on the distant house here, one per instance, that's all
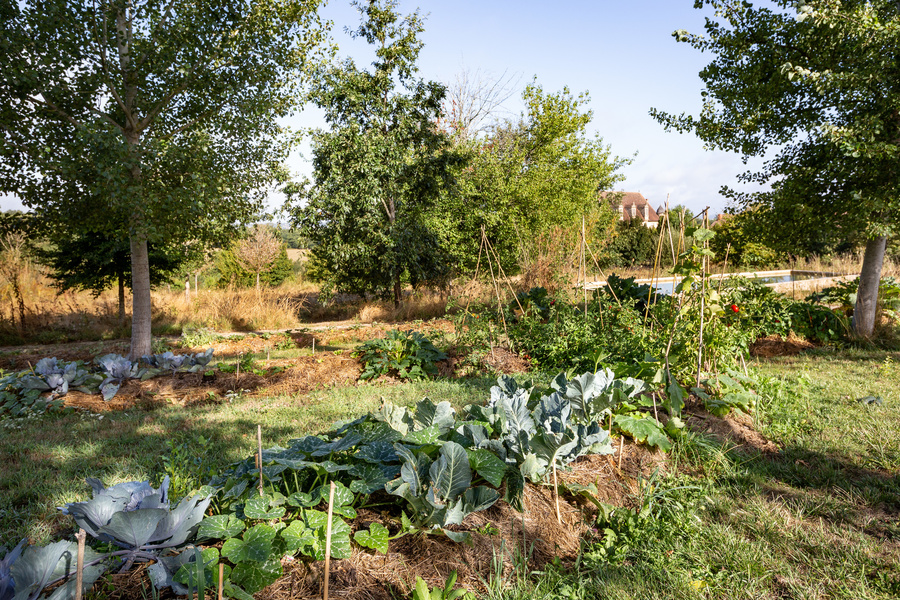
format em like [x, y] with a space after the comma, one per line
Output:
[632, 205]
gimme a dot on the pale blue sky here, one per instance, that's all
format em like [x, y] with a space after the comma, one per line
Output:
[621, 52]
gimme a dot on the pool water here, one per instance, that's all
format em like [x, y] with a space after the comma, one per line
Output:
[666, 285]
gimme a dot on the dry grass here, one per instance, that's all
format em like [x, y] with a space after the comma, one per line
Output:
[417, 306]
[229, 309]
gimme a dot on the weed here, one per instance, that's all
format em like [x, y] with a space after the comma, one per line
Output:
[187, 464]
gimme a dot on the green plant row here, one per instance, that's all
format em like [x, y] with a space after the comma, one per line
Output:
[406, 354]
[39, 390]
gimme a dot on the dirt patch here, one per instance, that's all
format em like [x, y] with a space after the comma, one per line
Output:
[299, 376]
[735, 430]
[498, 360]
[341, 335]
[775, 345]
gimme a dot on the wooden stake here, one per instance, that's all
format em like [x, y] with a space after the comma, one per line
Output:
[556, 494]
[621, 449]
[259, 446]
[703, 267]
[328, 541]
[221, 580]
[583, 267]
[79, 563]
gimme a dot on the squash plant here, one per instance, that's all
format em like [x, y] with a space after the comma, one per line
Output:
[408, 354]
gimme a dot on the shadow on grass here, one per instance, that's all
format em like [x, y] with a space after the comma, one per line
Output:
[48, 460]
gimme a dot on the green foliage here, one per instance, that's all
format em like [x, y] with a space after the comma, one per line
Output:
[165, 134]
[379, 168]
[535, 301]
[529, 175]
[448, 592]
[231, 273]
[633, 244]
[407, 354]
[748, 239]
[844, 295]
[803, 85]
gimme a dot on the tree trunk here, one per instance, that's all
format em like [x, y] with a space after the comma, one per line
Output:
[140, 299]
[121, 277]
[397, 296]
[869, 281]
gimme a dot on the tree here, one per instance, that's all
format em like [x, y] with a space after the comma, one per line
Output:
[257, 252]
[379, 167]
[14, 268]
[153, 121]
[633, 244]
[471, 103]
[818, 82]
[95, 262]
[231, 272]
[538, 172]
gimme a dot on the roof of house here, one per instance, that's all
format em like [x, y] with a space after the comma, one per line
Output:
[626, 200]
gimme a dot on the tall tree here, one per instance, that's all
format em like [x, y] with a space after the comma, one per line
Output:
[156, 120]
[380, 166]
[819, 81]
[540, 171]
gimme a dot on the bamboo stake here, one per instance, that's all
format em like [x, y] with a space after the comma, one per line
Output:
[328, 541]
[669, 229]
[583, 266]
[653, 277]
[79, 563]
[477, 265]
[703, 267]
[221, 581]
[259, 447]
[724, 268]
[556, 494]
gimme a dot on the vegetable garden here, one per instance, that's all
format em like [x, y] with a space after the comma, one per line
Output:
[477, 496]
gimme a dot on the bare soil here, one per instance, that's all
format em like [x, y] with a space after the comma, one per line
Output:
[775, 345]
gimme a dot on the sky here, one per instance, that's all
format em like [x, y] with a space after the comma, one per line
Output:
[621, 52]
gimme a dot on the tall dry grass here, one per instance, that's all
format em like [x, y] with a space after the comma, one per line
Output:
[229, 309]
